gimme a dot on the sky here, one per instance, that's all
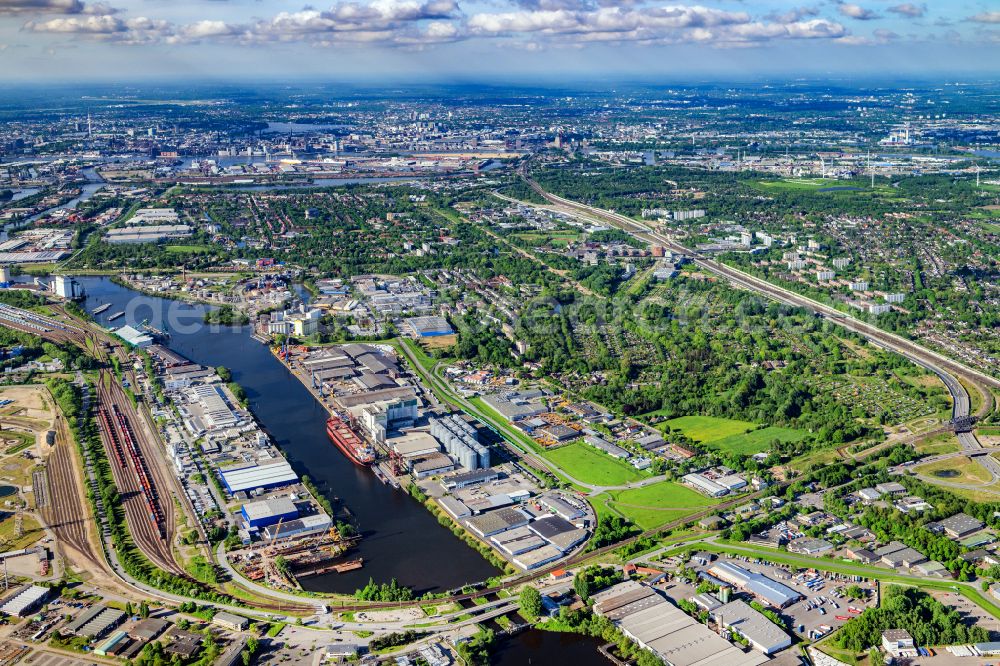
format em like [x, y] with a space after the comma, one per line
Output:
[400, 40]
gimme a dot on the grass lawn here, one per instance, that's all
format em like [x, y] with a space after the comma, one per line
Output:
[943, 443]
[797, 184]
[658, 503]
[708, 428]
[957, 470]
[588, 465]
[188, 249]
[813, 458]
[31, 532]
[757, 441]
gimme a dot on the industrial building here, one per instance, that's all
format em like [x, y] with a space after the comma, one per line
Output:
[381, 417]
[494, 522]
[516, 541]
[766, 589]
[133, 336]
[559, 532]
[25, 601]
[66, 287]
[763, 634]
[109, 647]
[299, 527]
[230, 621]
[466, 479]
[461, 441]
[415, 445]
[533, 559]
[705, 485]
[217, 413]
[667, 631]
[561, 507]
[150, 234]
[95, 622]
[960, 525]
[514, 405]
[253, 477]
[269, 511]
[431, 465]
[154, 216]
[427, 327]
[612, 450]
[304, 324]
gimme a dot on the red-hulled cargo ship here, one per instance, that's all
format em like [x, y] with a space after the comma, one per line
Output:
[348, 442]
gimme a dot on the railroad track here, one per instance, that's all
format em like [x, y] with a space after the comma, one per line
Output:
[64, 511]
[150, 523]
[895, 342]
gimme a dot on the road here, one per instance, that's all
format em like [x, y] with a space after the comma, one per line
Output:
[434, 380]
[970, 590]
[945, 368]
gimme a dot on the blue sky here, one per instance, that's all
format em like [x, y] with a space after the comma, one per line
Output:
[74, 40]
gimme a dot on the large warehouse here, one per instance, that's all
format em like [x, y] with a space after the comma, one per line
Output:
[314, 524]
[766, 589]
[668, 632]
[274, 475]
[269, 511]
[763, 634]
[427, 327]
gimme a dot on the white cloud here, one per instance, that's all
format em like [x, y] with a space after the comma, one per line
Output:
[909, 10]
[793, 15]
[41, 6]
[856, 12]
[140, 30]
[642, 23]
[985, 17]
[652, 25]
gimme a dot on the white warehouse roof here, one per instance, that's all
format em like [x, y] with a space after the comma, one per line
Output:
[25, 600]
[259, 476]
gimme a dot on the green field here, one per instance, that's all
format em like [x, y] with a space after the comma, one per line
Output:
[798, 183]
[588, 465]
[708, 428]
[555, 238]
[653, 505]
[757, 441]
[188, 249]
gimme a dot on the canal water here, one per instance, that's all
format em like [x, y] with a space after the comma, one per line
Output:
[545, 648]
[402, 539]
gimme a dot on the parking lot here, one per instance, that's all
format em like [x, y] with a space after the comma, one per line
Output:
[824, 607]
[972, 613]
[50, 659]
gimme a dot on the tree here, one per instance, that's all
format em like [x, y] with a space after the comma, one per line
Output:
[143, 610]
[531, 603]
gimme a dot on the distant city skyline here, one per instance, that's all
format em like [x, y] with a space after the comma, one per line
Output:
[78, 40]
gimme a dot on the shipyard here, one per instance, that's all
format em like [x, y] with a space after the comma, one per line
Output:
[382, 416]
[238, 481]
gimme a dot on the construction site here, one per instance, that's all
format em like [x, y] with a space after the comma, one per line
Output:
[28, 430]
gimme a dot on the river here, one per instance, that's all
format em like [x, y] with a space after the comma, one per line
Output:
[402, 539]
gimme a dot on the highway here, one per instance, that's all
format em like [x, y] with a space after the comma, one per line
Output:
[947, 369]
